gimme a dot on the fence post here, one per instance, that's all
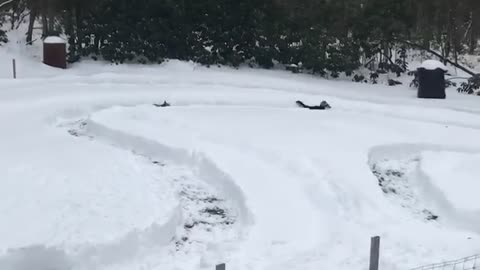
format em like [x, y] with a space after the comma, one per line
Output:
[14, 65]
[221, 267]
[374, 253]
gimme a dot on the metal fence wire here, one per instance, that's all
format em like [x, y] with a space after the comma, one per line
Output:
[467, 263]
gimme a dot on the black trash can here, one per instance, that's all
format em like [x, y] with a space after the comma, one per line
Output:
[431, 80]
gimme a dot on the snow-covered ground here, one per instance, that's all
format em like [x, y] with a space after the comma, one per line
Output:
[93, 176]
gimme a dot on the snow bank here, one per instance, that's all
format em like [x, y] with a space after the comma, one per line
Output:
[76, 198]
[54, 40]
[431, 180]
[456, 175]
[433, 65]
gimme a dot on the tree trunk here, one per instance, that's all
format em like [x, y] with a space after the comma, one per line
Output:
[78, 27]
[51, 18]
[69, 29]
[44, 25]
[473, 38]
[31, 24]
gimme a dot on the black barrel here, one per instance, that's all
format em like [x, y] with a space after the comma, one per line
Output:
[431, 80]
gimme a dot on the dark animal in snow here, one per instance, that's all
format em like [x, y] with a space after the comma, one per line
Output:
[165, 104]
[323, 106]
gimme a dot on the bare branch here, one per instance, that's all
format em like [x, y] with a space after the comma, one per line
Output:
[414, 45]
[6, 3]
[21, 19]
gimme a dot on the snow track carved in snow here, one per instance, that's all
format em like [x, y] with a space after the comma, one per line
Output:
[401, 176]
[197, 162]
[211, 210]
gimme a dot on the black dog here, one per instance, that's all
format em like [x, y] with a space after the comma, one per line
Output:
[165, 104]
[323, 106]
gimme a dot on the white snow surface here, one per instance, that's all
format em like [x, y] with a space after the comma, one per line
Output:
[54, 40]
[432, 65]
[456, 174]
[92, 176]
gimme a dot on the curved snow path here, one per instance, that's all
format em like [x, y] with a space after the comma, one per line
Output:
[304, 175]
[33, 139]
[300, 173]
[197, 162]
[428, 183]
[280, 225]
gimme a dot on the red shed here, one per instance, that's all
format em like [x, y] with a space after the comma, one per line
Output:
[55, 52]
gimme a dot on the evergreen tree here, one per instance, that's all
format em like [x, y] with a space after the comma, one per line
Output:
[320, 36]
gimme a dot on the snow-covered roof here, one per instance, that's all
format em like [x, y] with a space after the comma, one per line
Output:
[433, 64]
[54, 40]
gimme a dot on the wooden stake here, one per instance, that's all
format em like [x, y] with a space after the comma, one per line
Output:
[221, 267]
[14, 64]
[374, 253]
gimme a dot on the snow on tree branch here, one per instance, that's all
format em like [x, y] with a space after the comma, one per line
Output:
[6, 3]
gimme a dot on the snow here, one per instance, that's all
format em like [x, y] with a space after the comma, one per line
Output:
[54, 40]
[456, 175]
[85, 201]
[433, 65]
[291, 162]
[92, 176]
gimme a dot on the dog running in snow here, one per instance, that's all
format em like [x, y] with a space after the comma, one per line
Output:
[323, 106]
[165, 104]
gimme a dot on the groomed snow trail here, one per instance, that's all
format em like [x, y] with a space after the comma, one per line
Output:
[285, 188]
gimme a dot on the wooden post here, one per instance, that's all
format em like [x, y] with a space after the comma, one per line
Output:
[14, 64]
[374, 253]
[221, 267]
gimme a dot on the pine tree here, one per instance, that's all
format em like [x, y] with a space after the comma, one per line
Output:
[321, 36]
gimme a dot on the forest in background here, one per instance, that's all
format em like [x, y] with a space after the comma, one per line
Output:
[325, 37]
